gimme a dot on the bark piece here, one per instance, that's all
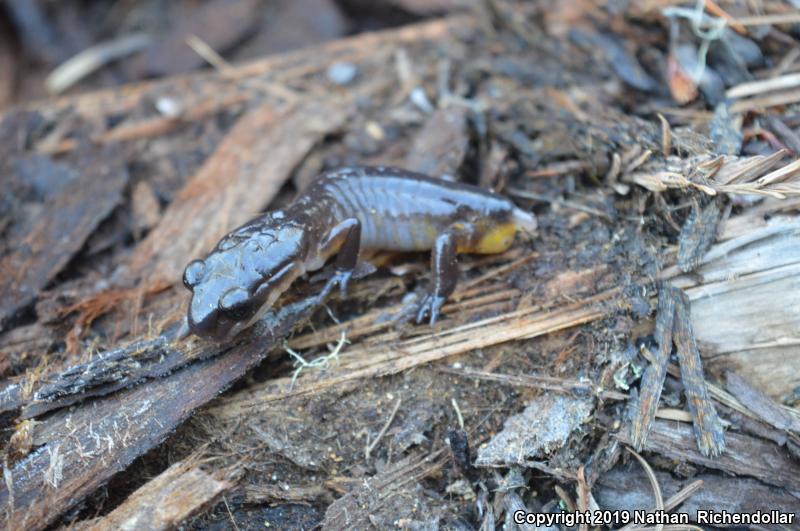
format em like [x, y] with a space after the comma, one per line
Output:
[697, 235]
[624, 63]
[383, 500]
[220, 23]
[165, 501]
[8, 66]
[105, 373]
[626, 489]
[62, 228]
[767, 409]
[707, 426]
[725, 130]
[744, 455]
[439, 147]
[543, 427]
[286, 25]
[80, 448]
[654, 374]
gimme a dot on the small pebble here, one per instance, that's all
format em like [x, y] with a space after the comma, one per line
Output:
[420, 99]
[342, 73]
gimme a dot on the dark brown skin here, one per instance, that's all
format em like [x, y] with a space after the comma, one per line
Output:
[341, 213]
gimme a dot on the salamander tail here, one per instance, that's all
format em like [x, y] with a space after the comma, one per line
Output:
[525, 221]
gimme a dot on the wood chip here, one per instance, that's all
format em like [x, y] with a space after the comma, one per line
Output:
[543, 427]
[655, 373]
[165, 501]
[707, 425]
[697, 234]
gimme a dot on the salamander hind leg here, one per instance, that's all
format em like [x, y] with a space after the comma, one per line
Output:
[444, 271]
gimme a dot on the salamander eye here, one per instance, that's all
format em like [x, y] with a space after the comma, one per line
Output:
[194, 273]
[235, 304]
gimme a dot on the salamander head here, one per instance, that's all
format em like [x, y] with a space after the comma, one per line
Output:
[242, 277]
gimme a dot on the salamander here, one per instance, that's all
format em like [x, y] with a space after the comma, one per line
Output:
[340, 214]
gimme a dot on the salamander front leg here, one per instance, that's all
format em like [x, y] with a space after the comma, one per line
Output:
[344, 240]
[444, 271]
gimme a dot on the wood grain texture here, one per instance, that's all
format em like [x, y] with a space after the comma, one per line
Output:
[743, 456]
[165, 501]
